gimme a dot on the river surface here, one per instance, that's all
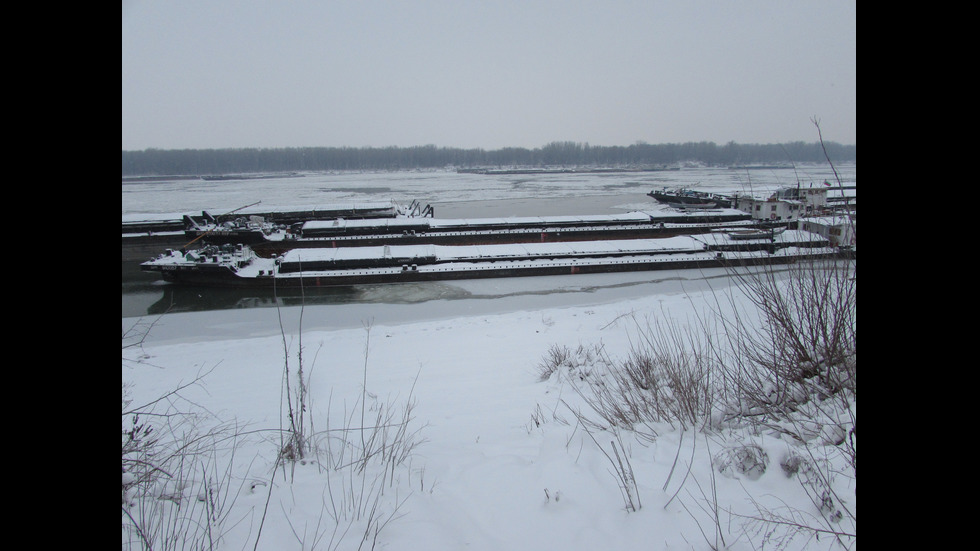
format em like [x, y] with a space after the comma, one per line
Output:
[207, 312]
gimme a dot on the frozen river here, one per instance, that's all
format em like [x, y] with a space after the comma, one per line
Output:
[209, 313]
[469, 195]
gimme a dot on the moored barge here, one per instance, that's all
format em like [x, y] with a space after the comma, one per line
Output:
[148, 234]
[288, 215]
[267, 240]
[686, 198]
[238, 265]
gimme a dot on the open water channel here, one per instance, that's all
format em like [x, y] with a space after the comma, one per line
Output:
[452, 195]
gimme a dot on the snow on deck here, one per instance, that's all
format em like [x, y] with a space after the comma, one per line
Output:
[634, 217]
[445, 253]
[787, 237]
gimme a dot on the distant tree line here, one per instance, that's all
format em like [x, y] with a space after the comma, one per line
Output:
[191, 162]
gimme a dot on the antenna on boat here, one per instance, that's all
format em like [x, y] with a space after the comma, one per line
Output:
[182, 249]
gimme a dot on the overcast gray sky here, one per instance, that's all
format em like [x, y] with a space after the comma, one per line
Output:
[489, 74]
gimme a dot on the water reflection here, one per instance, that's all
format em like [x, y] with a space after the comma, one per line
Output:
[184, 298]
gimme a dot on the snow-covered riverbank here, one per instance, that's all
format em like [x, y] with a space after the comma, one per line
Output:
[501, 462]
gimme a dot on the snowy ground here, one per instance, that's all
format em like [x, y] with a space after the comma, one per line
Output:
[501, 462]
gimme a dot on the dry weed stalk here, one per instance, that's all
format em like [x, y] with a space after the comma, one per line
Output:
[780, 356]
[176, 474]
[358, 460]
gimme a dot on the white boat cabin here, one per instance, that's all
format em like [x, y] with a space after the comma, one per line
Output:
[769, 209]
[815, 198]
[786, 204]
[839, 230]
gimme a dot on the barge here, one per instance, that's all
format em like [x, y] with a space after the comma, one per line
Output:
[267, 239]
[239, 266]
[362, 210]
[685, 198]
[147, 234]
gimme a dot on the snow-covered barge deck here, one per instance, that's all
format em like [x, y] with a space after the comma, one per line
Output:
[238, 265]
[266, 241]
[287, 215]
[144, 235]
